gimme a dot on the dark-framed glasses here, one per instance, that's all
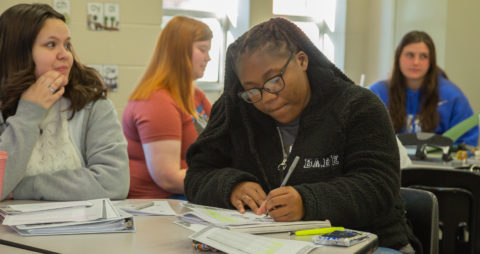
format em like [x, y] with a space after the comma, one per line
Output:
[273, 85]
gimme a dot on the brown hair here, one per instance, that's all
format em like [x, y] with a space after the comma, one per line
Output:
[170, 67]
[428, 115]
[19, 27]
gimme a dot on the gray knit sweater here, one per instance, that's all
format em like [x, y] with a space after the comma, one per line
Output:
[97, 136]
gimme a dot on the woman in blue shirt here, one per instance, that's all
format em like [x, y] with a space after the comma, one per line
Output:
[418, 94]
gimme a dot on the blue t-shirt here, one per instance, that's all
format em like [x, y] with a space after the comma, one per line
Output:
[453, 107]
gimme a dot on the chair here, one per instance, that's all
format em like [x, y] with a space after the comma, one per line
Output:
[458, 194]
[422, 212]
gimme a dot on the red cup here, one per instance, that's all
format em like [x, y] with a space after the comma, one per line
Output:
[3, 161]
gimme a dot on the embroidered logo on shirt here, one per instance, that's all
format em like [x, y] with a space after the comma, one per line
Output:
[329, 161]
[413, 124]
[442, 102]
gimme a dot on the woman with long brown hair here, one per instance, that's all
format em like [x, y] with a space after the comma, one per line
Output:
[62, 135]
[166, 111]
[418, 94]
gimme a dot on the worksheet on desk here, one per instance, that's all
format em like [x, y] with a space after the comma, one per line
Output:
[158, 208]
[240, 243]
[66, 213]
[222, 217]
[247, 222]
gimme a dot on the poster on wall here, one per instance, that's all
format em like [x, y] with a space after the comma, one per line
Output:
[103, 16]
[63, 7]
[111, 16]
[110, 75]
[95, 16]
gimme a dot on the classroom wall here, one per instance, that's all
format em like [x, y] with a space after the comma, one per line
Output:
[426, 15]
[462, 53]
[373, 28]
[369, 39]
[260, 10]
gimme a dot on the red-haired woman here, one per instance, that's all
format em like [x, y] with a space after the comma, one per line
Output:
[166, 111]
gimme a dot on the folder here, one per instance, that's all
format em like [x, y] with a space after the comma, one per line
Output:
[59, 218]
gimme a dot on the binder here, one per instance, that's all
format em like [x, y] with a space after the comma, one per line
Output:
[60, 218]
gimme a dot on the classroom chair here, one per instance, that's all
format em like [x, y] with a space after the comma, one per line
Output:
[422, 212]
[458, 195]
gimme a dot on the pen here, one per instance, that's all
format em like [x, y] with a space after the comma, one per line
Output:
[318, 231]
[290, 170]
[140, 207]
[289, 173]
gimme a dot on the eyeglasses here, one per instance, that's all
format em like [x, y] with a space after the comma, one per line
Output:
[273, 85]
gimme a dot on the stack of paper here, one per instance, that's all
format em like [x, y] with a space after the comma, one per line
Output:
[78, 217]
[247, 222]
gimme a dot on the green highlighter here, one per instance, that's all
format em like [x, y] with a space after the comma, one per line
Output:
[318, 231]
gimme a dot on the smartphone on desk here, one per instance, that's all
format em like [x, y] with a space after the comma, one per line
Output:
[341, 238]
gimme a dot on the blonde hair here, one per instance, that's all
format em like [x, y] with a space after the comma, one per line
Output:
[170, 67]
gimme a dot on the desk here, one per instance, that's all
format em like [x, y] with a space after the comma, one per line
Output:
[458, 194]
[154, 234]
[434, 161]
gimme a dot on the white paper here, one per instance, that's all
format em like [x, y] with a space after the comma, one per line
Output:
[241, 243]
[111, 16]
[160, 208]
[95, 20]
[223, 217]
[247, 222]
[108, 219]
[77, 213]
[35, 207]
[191, 226]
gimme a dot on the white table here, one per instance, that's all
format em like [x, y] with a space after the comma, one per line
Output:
[154, 234]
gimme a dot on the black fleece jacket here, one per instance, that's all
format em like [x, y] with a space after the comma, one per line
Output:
[348, 170]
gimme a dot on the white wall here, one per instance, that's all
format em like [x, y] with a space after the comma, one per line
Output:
[462, 54]
[429, 16]
[369, 39]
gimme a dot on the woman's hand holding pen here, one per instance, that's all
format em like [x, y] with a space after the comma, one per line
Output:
[48, 89]
[283, 204]
[247, 193]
